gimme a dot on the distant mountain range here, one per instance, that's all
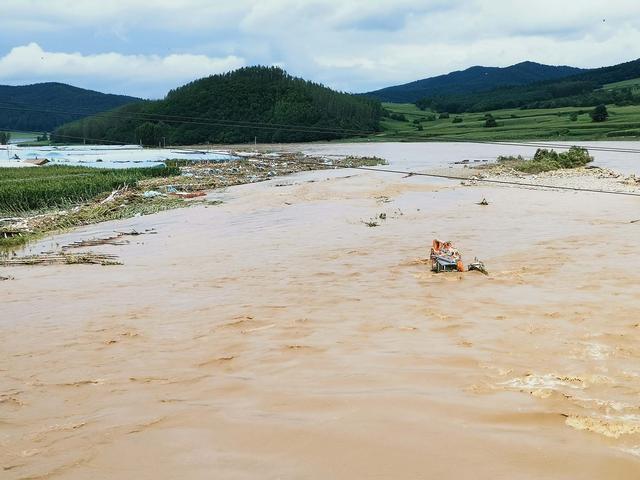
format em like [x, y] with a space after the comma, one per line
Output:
[617, 84]
[37, 107]
[474, 79]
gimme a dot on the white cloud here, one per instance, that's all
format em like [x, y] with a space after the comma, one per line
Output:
[30, 63]
[353, 45]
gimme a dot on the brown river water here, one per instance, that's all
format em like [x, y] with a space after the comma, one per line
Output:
[276, 336]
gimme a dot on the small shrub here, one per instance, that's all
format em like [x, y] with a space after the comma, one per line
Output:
[490, 122]
[546, 160]
[457, 120]
[444, 115]
[573, 117]
[400, 117]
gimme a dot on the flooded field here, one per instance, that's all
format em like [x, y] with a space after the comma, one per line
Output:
[104, 156]
[276, 335]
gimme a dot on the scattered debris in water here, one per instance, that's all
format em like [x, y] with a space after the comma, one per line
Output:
[483, 202]
[112, 240]
[62, 259]
[4, 279]
[477, 265]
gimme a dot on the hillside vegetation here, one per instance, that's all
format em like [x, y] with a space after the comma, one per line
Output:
[582, 90]
[262, 103]
[411, 123]
[37, 107]
[474, 79]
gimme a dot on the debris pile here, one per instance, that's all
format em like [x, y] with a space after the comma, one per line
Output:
[446, 258]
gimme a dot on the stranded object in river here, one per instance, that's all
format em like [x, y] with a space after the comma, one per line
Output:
[446, 258]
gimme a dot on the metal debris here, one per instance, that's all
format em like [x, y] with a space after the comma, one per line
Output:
[446, 258]
[478, 266]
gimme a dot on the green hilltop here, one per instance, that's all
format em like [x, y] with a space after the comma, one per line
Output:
[253, 103]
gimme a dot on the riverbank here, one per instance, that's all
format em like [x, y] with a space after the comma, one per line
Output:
[140, 191]
[278, 336]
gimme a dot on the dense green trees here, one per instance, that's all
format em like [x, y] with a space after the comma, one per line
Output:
[44, 106]
[262, 103]
[599, 114]
[5, 137]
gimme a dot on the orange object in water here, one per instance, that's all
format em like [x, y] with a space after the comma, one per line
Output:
[445, 257]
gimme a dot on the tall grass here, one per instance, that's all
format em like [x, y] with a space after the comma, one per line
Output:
[39, 188]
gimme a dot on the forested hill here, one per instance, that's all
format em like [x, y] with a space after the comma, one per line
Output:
[590, 88]
[263, 103]
[36, 107]
[474, 79]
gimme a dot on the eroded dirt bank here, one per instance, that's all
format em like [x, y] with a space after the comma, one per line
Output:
[277, 336]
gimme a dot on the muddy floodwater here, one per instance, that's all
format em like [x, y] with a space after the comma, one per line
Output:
[276, 336]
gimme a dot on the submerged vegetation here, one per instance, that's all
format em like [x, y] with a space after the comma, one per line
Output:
[40, 200]
[547, 160]
[31, 189]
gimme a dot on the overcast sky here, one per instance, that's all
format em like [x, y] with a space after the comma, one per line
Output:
[145, 48]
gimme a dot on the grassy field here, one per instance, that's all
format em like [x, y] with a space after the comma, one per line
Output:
[634, 82]
[40, 188]
[513, 124]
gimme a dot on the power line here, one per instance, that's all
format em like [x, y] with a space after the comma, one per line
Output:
[409, 173]
[306, 129]
[220, 123]
[153, 116]
[485, 180]
[533, 143]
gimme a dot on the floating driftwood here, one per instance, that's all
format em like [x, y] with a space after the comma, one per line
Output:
[112, 240]
[92, 242]
[62, 259]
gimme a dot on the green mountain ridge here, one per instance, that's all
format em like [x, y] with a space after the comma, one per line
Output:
[252, 103]
[582, 90]
[37, 107]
